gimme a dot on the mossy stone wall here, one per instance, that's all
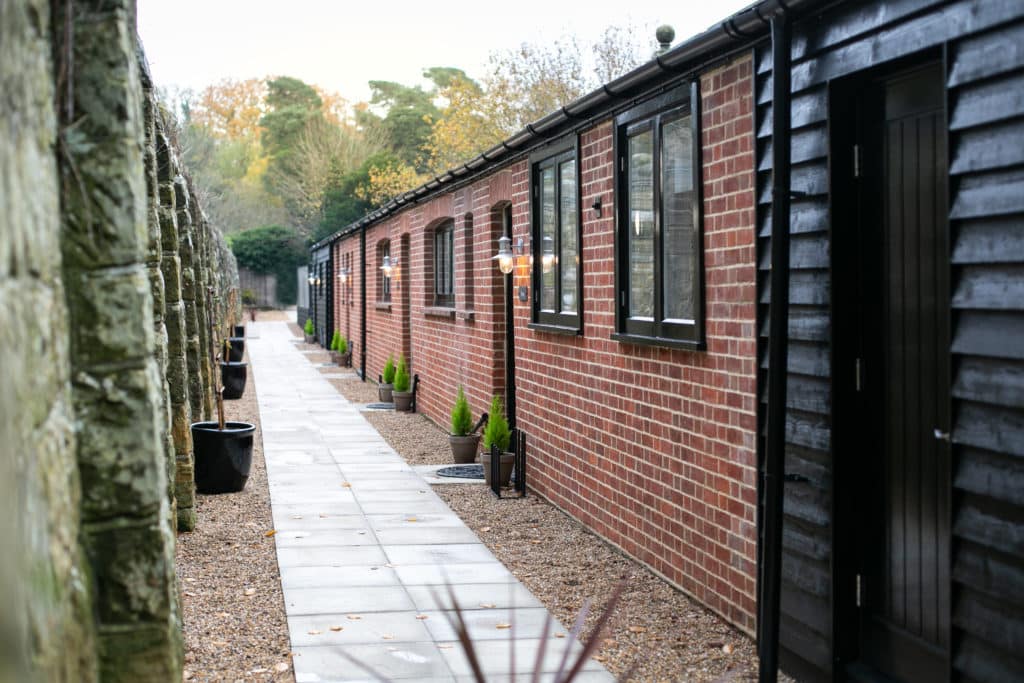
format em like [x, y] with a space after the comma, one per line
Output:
[106, 309]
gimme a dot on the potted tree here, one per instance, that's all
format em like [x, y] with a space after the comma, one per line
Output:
[223, 450]
[232, 372]
[340, 354]
[401, 394]
[497, 434]
[309, 330]
[386, 381]
[463, 441]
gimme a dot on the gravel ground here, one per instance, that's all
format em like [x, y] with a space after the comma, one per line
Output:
[669, 636]
[354, 389]
[416, 438]
[234, 618]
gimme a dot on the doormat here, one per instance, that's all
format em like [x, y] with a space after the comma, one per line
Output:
[462, 471]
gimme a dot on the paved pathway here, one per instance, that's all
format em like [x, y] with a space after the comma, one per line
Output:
[362, 540]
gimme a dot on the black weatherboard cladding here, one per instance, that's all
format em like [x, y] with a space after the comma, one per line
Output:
[983, 44]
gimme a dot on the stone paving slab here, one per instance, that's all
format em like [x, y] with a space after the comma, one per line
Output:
[365, 547]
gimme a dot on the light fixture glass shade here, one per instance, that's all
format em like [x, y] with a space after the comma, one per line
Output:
[343, 275]
[387, 266]
[505, 258]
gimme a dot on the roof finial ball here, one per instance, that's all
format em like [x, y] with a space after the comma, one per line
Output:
[665, 35]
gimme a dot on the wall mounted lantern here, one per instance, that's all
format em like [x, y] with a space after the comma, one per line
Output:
[505, 257]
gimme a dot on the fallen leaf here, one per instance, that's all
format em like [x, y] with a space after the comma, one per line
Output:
[387, 636]
[501, 626]
[485, 528]
[190, 580]
[609, 642]
[313, 632]
[444, 647]
[346, 485]
[219, 643]
[337, 628]
[354, 617]
[223, 615]
[727, 648]
[186, 675]
[411, 519]
[390, 566]
[270, 533]
[260, 670]
[534, 541]
[296, 516]
[422, 616]
[559, 635]
[638, 629]
[601, 658]
[323, 516]
[250, 591]
[281, 667]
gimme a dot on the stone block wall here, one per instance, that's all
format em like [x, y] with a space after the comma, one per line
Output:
[113, 287]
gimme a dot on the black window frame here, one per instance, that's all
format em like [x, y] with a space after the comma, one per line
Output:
[444, 274]
[384, 291]
[679, 102]
[553, 156]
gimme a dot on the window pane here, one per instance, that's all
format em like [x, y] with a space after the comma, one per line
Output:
[641, 225]
[568, 262]
[547, 239]
[679, 237]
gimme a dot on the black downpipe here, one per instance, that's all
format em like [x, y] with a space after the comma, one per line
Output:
[362, 303]
[778, 347]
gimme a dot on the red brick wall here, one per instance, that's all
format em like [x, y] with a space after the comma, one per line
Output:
[652, 448]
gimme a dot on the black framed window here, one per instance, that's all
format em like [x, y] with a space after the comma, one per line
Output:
[556, 238]
[444, 265]
[383, 280]
[659, 264]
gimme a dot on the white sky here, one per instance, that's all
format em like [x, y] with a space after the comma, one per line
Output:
[342, 44]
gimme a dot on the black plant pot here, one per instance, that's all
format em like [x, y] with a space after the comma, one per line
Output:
[232, 378]
[240, 331]
[237, 349]
[223, 458]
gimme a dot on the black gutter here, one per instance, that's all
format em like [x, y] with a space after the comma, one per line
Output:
[362, 303]
[778, 347]
[742, 28]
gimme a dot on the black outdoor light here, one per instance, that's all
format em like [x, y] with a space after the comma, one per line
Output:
[596, 206]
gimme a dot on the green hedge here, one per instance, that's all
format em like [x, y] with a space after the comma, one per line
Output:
[272, 250]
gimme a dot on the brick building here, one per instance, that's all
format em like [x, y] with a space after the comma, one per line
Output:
[631, 339]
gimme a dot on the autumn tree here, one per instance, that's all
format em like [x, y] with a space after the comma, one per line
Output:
[230, 109]
[463, 129]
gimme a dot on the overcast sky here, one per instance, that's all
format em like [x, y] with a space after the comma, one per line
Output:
[342, 44]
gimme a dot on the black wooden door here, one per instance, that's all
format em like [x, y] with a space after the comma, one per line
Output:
[902, 372]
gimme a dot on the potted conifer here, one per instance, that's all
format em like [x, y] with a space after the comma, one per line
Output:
[340, 353]
[387, 380]
[463, 441]
[400, 393]
[497, 433]
[223, 450]
[309, 331]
